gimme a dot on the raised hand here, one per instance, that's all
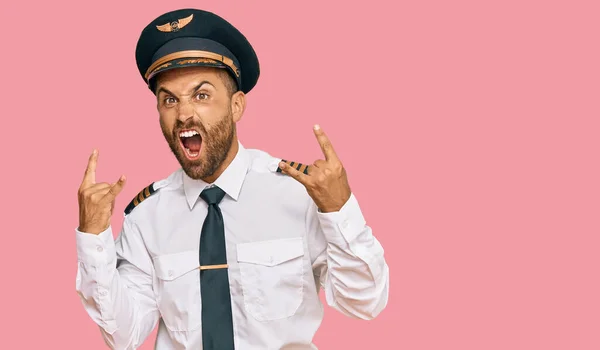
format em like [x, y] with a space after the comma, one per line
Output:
[326, 181]
[96, 200]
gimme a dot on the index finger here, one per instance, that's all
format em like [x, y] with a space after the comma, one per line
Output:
[325, 144]
[89, 177]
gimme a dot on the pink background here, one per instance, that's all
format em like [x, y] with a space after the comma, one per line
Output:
[469, 130]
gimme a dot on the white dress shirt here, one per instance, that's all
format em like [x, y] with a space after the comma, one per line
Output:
[280, 249]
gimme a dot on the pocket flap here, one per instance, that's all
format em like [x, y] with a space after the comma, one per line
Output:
[171, 266]
[271, 252]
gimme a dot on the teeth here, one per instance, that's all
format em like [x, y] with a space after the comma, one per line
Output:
[188, 133]
[190, 152]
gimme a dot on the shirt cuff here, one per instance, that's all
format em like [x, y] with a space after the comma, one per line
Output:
[95, 250]
[344, 225]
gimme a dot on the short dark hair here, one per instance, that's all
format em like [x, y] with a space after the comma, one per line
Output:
[228, 81]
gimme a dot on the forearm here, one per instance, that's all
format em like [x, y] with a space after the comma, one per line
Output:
[118, 300]
[352, 267]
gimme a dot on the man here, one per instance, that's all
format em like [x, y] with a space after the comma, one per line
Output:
[231, 250]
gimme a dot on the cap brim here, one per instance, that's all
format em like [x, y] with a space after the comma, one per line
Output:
[192, 52]
[187, 61]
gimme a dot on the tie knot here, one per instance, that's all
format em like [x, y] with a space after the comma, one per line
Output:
[212, 195]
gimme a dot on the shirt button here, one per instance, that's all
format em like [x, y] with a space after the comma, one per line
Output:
[103, 293]
[345, 224]
[170, 273]
[99, 249]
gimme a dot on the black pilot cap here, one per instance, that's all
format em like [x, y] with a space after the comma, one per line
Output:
[192, 37]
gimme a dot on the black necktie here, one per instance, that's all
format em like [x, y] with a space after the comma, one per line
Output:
[217, 324]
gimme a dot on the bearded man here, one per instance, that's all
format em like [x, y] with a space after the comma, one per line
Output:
[231, 250]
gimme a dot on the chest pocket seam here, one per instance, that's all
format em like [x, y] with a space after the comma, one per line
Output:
[272, 276]
[178, 290]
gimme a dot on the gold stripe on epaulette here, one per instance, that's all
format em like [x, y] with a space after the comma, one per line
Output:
[141, 196]
[303, 168]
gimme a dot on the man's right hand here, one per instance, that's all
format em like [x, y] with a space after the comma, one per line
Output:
[96, 200]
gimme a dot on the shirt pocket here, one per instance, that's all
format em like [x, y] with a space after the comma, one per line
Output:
[272, 276]
[178, 290]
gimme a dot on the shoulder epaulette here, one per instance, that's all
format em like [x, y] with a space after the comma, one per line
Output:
[141, 196]
[299, 166]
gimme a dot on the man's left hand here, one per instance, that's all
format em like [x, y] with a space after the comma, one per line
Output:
[326, 181]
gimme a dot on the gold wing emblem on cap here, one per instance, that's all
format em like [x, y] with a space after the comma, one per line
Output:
[175, 25]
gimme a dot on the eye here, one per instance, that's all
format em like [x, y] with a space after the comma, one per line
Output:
[201, 96]
[169, 100]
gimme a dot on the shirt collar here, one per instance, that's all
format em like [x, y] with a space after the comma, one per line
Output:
[230, 181]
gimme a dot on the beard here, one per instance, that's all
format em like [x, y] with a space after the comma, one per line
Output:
[215, 146]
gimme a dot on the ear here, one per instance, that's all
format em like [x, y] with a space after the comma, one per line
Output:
[238, 105]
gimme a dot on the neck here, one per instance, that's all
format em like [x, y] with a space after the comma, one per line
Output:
[230, 156]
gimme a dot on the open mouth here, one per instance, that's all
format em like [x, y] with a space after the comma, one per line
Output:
[191, 141]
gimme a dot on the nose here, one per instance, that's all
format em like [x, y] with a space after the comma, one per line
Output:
[185, 111]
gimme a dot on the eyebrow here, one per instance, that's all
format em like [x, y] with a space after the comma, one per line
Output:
[193, 91]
